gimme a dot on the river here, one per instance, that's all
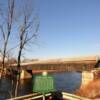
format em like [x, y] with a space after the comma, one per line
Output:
[64, 81]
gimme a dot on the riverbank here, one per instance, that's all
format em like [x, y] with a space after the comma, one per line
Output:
[91, 90]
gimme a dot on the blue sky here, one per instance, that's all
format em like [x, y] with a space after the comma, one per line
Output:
[67, 28]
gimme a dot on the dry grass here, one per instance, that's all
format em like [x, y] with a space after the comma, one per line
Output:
[92, 90]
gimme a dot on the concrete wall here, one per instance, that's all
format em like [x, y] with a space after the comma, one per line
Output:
[25, 75]
[87, 76]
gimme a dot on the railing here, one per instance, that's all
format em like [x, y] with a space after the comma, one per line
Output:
[35, 96]
[69, 96]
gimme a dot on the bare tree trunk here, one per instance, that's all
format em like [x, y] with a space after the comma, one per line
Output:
[3, 60]
[18, 72]
[17, 86]
[19, 58]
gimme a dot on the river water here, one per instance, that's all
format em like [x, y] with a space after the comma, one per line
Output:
[65, 81]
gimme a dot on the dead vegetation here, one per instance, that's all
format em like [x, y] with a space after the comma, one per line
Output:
[91, 90]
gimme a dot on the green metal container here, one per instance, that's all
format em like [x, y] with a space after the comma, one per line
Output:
[43, 84]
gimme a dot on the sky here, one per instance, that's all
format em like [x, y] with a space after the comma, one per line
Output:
[68, 28]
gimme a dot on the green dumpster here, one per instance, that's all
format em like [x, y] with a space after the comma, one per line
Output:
[43, 84]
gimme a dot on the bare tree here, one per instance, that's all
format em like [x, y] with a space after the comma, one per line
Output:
[6, 28]
[28, 29]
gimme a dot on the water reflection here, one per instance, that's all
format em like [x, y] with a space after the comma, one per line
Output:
[67, 82]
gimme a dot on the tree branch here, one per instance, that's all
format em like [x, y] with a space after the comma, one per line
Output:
[3, 33]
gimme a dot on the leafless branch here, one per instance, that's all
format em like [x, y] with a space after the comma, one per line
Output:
[13, 48]
[2, 31]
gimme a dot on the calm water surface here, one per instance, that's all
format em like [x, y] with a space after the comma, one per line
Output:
[65, 81]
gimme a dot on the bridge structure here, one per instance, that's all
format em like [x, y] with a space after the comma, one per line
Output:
[64, 64]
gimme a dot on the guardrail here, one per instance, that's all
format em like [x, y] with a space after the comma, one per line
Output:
[36, 96]
[33, 96]
[69, 96]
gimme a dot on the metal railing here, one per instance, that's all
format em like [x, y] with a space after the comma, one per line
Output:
[33, 96]
[36, 96]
